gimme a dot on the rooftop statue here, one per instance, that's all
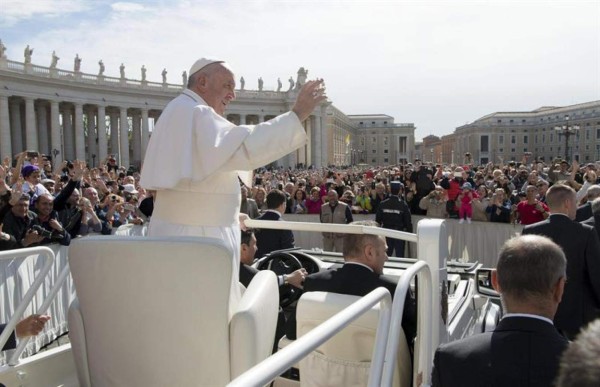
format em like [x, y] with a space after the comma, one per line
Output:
[260, 84]
[291, 81]
[164, 75]
[2, 49]
[77, 64]
[101, 64]
[279, 85]
[54, 60]
[143, 73]
[242, 83]
[28, 52]
[122, 70]
[184, 78]
[302, 75]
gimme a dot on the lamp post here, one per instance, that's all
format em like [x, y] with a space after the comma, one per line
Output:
[567, 131]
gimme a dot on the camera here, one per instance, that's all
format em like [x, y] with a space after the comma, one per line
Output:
[113, 198]
[32, 154]
[42, 231]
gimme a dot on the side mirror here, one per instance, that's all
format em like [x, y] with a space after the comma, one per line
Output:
[483, 283]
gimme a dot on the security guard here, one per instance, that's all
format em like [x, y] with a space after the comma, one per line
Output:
[394, 214]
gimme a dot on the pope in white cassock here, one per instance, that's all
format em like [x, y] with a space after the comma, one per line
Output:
[194, 156]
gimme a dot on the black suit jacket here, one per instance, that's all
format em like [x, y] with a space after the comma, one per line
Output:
[357, 280]
[584, 212]
[522, 351]
[12, 342]
[594, 221]
[581, 299]
[268, 240]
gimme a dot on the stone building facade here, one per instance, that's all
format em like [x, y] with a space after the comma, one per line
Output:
[511, 135]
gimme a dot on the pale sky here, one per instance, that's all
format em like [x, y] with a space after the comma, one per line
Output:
[437, 64]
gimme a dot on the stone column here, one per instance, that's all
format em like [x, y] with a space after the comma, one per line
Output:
[69, 149]
[5, 137]
[55, 138]
[31, 137]
[318, 138]
[136, 138]
[102, 145]
[79, 132]
[145, 133]
[324, 136]
[114, 134]
[124, 134]
[42, 120]
[16, 128]
[91, 137]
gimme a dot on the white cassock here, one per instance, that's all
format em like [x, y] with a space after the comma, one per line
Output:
[193, 159]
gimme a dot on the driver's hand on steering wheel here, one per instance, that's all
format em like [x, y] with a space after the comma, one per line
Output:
[296, 279]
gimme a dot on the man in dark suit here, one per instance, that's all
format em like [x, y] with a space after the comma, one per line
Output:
[581, 302]
[594, 220]
[247, 272]
[362, 272]
[270, 240]
[525, 348]
[584, 211]
[29, 326]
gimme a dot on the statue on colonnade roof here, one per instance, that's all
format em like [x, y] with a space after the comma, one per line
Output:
[77, 63]
[54, 61]
[28, 52]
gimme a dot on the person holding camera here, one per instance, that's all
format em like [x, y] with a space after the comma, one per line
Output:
[46, 222]
[435, 203]
[500, 207]
[17, 223]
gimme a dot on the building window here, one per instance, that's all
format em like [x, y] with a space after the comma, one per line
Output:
[500, 150]
[385, 141]
[525, 139]
[523, 121]
[374, 140]
[484, 143]
[374, 161]
[524, 149]
[385, 151]
[587, 134]
[511, 121]
[598, 134]
[374, 150]
[512, 150]
[385, 160]
[551, 137]
[499, 121]
[513, 139]
[500, 139]
[536, 139]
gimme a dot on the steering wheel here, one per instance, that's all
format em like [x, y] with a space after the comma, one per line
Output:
[281, 263]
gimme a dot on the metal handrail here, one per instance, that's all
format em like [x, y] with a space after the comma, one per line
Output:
[424, 320]
[273, 366]
[46, 254]
[62, 276]
[331, 227]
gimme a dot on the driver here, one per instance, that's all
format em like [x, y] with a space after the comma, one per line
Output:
[362, 272]
[247, 251]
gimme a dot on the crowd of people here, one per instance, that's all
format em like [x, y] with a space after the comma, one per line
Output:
[42, 203]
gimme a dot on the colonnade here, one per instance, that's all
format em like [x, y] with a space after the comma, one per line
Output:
[68, 130]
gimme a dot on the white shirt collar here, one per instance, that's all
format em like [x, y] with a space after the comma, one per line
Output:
[508, 315]
[275, 211]
[358, 263]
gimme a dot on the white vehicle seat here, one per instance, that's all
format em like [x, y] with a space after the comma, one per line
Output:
[154, 312]
[345, 359]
